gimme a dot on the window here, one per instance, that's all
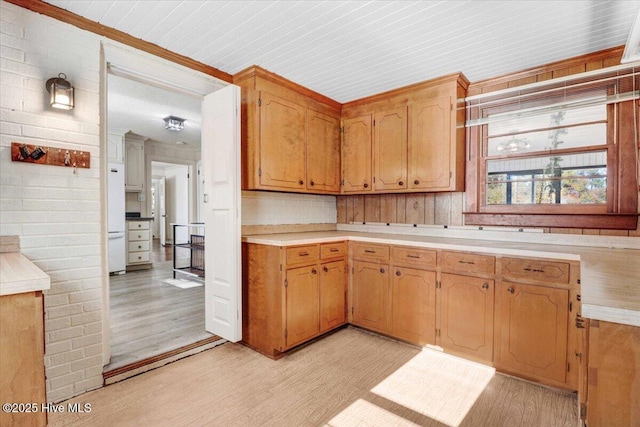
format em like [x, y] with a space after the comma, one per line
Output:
[546, 156]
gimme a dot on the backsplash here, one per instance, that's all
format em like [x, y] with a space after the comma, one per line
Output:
[266, 208]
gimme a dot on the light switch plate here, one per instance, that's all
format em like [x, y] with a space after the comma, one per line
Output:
[141, 197]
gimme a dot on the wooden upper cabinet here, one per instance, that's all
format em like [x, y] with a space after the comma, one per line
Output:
[430, 150]
[390, 150]
[282, 142]
[323, 152]
[356, 154]
[290, 135]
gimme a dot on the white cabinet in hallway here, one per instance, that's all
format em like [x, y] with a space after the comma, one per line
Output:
[134, 164]
[138, 244]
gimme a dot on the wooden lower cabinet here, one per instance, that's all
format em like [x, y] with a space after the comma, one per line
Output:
[22, 377]
[466, 316]
[613, 376]
[303, 305]
[533, 322]
[291, 294]
[371, 295]
[413, 305]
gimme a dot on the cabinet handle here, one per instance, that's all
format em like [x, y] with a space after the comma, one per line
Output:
[139, 225]
[312, 183]
[139, 246]
[334, 250]
[466, 262]
[314, 271]
[301, 182]
[413, 256]
[303, 253]
[382, 270]
[369, 251]
[485, 286]
[416, 182]
[366, 185]
[510, 290]
[325, 269]
[534, 270]
[398, 273]
[401, 183]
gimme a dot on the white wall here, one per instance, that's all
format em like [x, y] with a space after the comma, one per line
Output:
[55, 213]
[265, 208]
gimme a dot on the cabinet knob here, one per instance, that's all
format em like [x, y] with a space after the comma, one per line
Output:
[416, 182]
[312, 183]
[401, 183]
[485, 286]
[139, 246]
[314, 271]
[510, 290]
[382, 270]
[301, 182]
[398, 273]
[325, 269]
[366, 185]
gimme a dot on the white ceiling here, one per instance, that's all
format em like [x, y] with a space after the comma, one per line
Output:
[350, 49]
[140, 108]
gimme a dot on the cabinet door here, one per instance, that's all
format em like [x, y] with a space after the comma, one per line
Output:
[356, 154]
[302, 304]
[533, 330]
[282, 143]
[413, 305]
[323, 152]
[371, 295]
[390, 150]
[467, 315]
[115, 147]
[134, 166]
[430, 144]
[333, 285]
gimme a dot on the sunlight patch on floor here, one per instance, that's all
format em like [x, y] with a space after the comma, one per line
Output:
[363, 413]
[439, 386]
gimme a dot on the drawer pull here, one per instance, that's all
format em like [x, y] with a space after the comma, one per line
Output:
[139, 246]
[334, 250]
[534, 270]
[369, 251]
[466, 262]
[139, 225]
[314, 271]
[382, 270]
[398, 273]
[325, 269]
[485, 286]
[510, 290]
[413, 256]
[303, 253]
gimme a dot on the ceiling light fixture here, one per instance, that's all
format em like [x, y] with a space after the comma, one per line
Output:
[61, 92]
[174, 123]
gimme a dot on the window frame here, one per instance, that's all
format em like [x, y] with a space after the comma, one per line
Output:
[621, 208]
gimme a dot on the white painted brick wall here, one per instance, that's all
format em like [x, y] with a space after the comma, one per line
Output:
[56, 213]
[266, 208]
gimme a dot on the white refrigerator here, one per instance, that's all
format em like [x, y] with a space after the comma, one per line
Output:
[116, 203]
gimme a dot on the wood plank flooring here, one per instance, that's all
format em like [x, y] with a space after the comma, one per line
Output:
[149, 317]
[350, 378]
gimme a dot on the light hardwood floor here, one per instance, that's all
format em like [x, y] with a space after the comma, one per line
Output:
[149, 317]
[350, 378]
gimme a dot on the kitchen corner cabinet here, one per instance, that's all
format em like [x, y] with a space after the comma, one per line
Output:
[134, 164]
[290, 135]
[417, 139]
[292, 294]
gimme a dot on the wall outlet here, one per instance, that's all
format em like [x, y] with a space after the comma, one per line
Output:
[141, 197]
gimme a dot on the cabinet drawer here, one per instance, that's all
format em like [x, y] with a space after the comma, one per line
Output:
[536, 269]
[136, 236]
[142, 245]
[138, 225]
[135, 257]
[469, 263]
[371, 251]
[302, 253]
[414, 256]
[330, 250]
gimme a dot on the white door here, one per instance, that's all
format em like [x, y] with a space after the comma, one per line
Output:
[221, 169]
[162, 205]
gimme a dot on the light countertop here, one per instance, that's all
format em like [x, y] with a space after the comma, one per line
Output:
[610, 278]
[19, 275]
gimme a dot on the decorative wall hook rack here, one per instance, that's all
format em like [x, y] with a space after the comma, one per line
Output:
[52, 156]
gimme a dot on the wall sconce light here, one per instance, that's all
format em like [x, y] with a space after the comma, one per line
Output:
[174, 123]
[61, 92]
